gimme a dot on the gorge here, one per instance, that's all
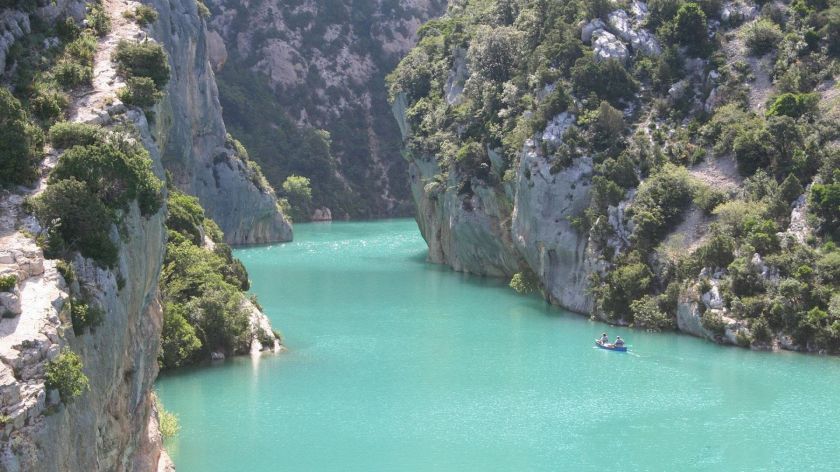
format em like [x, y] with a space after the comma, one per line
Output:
[662, 168]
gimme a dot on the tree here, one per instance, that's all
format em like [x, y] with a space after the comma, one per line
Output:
[178, 341]
[146, 59]
[299, 193]
[20, 142]
[790, 189]
[76, 220]
[65, 374]
[793, 104]
[140, 92]
[762, 36]
[494, 53]
[689, 28]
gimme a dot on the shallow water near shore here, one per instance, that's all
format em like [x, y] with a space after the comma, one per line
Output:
[397, 364]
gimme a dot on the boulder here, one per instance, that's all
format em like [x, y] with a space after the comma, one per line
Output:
[322, 214]
[588, 29]
[607, 46]
[640, 40]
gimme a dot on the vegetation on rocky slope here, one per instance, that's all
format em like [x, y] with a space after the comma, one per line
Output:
[655, 111]
[303, 88]
[202, 288]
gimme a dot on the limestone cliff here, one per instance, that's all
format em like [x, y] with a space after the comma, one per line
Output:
[111, 425]
[106, 428]
[321, 65]
[193, 139]
[620, 161]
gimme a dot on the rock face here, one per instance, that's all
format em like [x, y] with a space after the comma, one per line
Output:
[325, 63]
[524, 226]
[469, 233]
[113, 425]
[542, 230]
[622, 35]
[107, 427]
[193, 138]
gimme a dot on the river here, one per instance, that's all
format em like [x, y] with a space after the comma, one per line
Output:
[395, 364]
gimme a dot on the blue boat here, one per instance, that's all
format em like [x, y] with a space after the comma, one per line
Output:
[610, 347]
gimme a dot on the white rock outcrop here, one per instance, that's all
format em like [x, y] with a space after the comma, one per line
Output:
[640, 39]
[542, 229]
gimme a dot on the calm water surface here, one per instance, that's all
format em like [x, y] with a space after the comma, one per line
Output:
[399, 365]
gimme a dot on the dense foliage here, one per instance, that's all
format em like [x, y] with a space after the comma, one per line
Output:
[90, 189]
[202, 286]
[760, 246]
[65, 374]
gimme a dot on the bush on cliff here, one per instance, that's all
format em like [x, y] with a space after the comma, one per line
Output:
[140, 92]
[76, 220]
[203, 307]
[65, 374]
[146, 59]
[117, 172]
[20, 142]
[66, 134]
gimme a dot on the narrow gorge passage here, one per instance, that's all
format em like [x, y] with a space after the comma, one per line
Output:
[396, 364]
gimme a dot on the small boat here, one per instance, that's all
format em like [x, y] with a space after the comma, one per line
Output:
[610, 347]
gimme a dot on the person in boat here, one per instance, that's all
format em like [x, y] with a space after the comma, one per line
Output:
[618, 342]
[604, 339]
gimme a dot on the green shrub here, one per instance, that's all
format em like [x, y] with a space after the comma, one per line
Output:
[115, 171]
[143, 15]
[70, 74]
[790, 189]
[707, 198]
[609, 80]
[82, 49]
[98, 20]
[167, 421]
[627, 282]
[647, 314]
[146, 59]
[713, 322]
[65, 374]
[76, 220]
[762, 36]
[718, 251]
[525, 282]
[178, 342]
[298, 191]
[85, 316]
[688, 28]
[203, 288]
[48, 104]
[67, 271]
[743, 279]
[7, 283]
[140, 92]
[825, 203]
[660, 203]
[794, 104]
[185, 216]
[66, 134]
[661, 12]
[20, 142]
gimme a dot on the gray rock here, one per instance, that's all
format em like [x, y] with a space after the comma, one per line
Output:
[607, 46]
[589, 28]
[194, 142]
[10, 303]
[322, 214]
[454, 87]
[640, 40]
[542, 231]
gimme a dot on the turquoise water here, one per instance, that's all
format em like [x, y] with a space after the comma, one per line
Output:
[399, 365]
